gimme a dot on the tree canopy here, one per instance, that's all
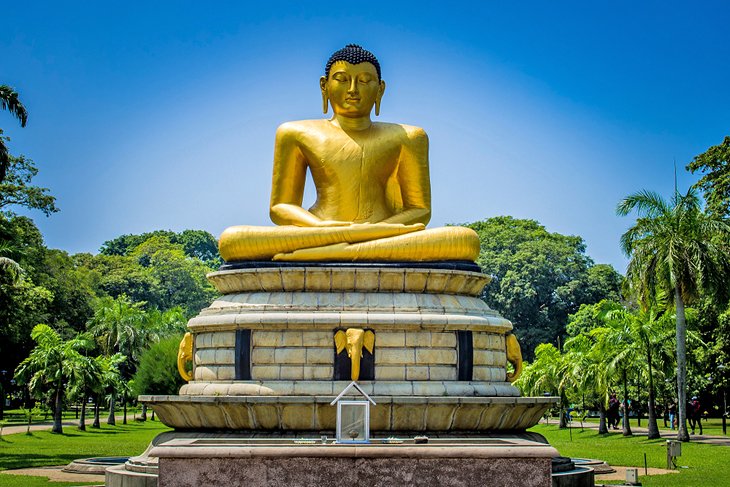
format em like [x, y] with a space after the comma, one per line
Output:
[157, 372]
[66, 291]
[714, 164]
[538, 277]
[194, 243]
[16, 188]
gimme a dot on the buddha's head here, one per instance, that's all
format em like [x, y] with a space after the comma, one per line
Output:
[352, 83]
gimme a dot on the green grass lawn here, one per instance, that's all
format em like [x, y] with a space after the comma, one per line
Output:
[707, 464]
[711, 426]
[43, 448]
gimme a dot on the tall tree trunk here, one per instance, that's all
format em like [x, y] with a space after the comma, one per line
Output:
[638, 399]
[626, 427]
[58, 410]
[653, 427]
[96, 423]
[563, 420]
[682, 434]
[602, 427]
[82, 419]
[124, 405]
[112, 420]
[2, 402]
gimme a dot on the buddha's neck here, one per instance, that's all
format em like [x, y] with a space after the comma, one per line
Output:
[347, 123]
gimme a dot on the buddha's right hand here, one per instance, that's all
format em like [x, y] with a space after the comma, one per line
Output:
[362, 232]
[331, 223]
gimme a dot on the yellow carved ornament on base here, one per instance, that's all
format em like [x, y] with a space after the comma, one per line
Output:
[353, 340]
[514, 356]
[185, 355]
[372, 183]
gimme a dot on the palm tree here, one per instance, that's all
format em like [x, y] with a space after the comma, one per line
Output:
[589, 370]
[161, 324]
[676, 249]
[12, 268]
[620, 356]
[547, 374]
[50, 365]
[117, 325]
[86, 374]
[641, 334]
[9, 101]
[8, 265]
[107, 381]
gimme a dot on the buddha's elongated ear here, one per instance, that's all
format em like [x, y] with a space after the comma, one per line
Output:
[325, 98]
[379, 96]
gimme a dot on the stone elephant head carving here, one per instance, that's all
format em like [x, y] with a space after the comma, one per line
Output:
[353, 340]
[185, 355]
[514, 356]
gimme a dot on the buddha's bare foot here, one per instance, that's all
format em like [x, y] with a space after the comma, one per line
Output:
[397, 227]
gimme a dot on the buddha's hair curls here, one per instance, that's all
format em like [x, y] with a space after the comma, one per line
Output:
[353, 54]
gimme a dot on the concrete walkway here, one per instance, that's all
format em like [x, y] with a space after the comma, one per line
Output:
[56, 474]
[71, 423]
[665, 434]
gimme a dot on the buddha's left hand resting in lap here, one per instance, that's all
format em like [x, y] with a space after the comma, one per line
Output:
[372, 182]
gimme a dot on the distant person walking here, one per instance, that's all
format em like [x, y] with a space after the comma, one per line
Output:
[694, 414]
[613, 411]
[672, 415]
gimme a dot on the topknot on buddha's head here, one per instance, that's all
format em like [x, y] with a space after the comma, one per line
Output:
[353, 54]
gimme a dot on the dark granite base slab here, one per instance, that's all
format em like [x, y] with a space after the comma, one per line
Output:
[338, 472]
[455, 265]
[506, 463]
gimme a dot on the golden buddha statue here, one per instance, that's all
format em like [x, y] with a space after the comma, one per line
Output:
[372, 182]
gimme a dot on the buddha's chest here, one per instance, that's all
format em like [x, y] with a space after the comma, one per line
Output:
[357, 160]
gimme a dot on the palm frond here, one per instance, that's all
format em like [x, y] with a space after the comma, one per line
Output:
[10, 101]
[645, 203]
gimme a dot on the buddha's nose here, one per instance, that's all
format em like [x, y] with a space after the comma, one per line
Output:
[353, 86]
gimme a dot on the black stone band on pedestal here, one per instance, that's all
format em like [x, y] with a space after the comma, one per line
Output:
[243, 355]
[465, 365]
[456, 265]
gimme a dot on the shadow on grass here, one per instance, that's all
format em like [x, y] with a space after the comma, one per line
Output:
[11, 461]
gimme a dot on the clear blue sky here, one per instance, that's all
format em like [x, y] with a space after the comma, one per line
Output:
[161, 115]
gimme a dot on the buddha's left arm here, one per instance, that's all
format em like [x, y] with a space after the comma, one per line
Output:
[413, 179]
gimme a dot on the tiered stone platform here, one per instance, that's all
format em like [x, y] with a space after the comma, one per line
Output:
[265, 357]
[266, 368]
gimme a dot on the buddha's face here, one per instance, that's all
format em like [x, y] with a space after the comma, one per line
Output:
[352, 88]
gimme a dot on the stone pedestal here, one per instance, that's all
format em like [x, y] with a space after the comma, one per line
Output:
[265, 356]
[266, 364]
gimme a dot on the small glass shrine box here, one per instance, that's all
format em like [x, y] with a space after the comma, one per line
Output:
[353, 416]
